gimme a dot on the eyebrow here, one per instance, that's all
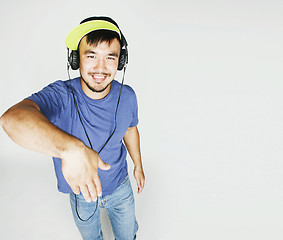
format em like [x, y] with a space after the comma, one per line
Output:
[113, 54]
[93, 52]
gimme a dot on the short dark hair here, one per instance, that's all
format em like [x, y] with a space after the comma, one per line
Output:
[98, 36]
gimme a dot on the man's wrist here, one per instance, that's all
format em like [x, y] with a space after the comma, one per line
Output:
[72, 147]
[138, 167]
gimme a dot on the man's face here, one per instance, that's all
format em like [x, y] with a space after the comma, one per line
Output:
[98, 67]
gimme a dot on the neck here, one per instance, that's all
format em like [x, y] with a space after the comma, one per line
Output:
[95, 95]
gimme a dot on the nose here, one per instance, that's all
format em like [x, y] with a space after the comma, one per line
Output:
[100, 65]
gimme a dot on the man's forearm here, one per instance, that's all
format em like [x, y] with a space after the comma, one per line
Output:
[132, 142]
[28, 127]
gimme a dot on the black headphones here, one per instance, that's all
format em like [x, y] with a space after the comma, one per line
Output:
[74, 57]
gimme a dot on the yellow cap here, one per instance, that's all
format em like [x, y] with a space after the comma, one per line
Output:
[75, 36]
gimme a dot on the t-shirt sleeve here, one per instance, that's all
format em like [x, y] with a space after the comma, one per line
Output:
[134, 105]
[51, 99]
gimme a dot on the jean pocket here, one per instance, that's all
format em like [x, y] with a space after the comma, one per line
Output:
[82, 210]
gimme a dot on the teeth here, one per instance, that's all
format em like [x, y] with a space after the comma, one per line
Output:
[101, 77]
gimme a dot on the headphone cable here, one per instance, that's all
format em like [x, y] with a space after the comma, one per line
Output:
[115, 125]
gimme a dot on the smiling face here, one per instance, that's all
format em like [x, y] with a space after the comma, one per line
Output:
[98, 67]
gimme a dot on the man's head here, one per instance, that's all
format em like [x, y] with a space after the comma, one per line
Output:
[97, 29]
[99, 49]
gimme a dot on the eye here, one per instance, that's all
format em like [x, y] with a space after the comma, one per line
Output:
[111, 58]
[90, 56]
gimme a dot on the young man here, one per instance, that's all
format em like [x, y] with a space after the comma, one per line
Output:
[82, 124]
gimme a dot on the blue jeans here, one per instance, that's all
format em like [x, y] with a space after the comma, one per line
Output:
[120, 207]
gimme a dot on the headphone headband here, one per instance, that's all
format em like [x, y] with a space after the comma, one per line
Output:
[75, 36]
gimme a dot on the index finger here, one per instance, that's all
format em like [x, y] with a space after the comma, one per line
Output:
[97, 183]
[92, 190]
[85, 193]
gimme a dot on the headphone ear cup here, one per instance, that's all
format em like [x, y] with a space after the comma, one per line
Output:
[123, 59]
[74, 60]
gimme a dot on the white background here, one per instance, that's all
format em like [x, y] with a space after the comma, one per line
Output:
[208, 76]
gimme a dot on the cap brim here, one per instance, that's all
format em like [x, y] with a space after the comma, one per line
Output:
[75, 36]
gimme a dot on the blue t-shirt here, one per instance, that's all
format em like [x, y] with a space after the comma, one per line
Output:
[98, 116]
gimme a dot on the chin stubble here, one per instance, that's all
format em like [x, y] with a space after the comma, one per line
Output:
[93, 89]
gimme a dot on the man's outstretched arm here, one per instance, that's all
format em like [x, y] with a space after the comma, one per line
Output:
[132, 142]
[27, 126]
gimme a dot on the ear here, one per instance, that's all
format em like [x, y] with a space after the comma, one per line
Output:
[123, 59]
[74, 60]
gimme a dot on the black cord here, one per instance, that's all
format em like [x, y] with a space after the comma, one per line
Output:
[76, 202]
[115, 125]
[115, 111]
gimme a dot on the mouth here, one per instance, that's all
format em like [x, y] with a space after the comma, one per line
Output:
[99, 78]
